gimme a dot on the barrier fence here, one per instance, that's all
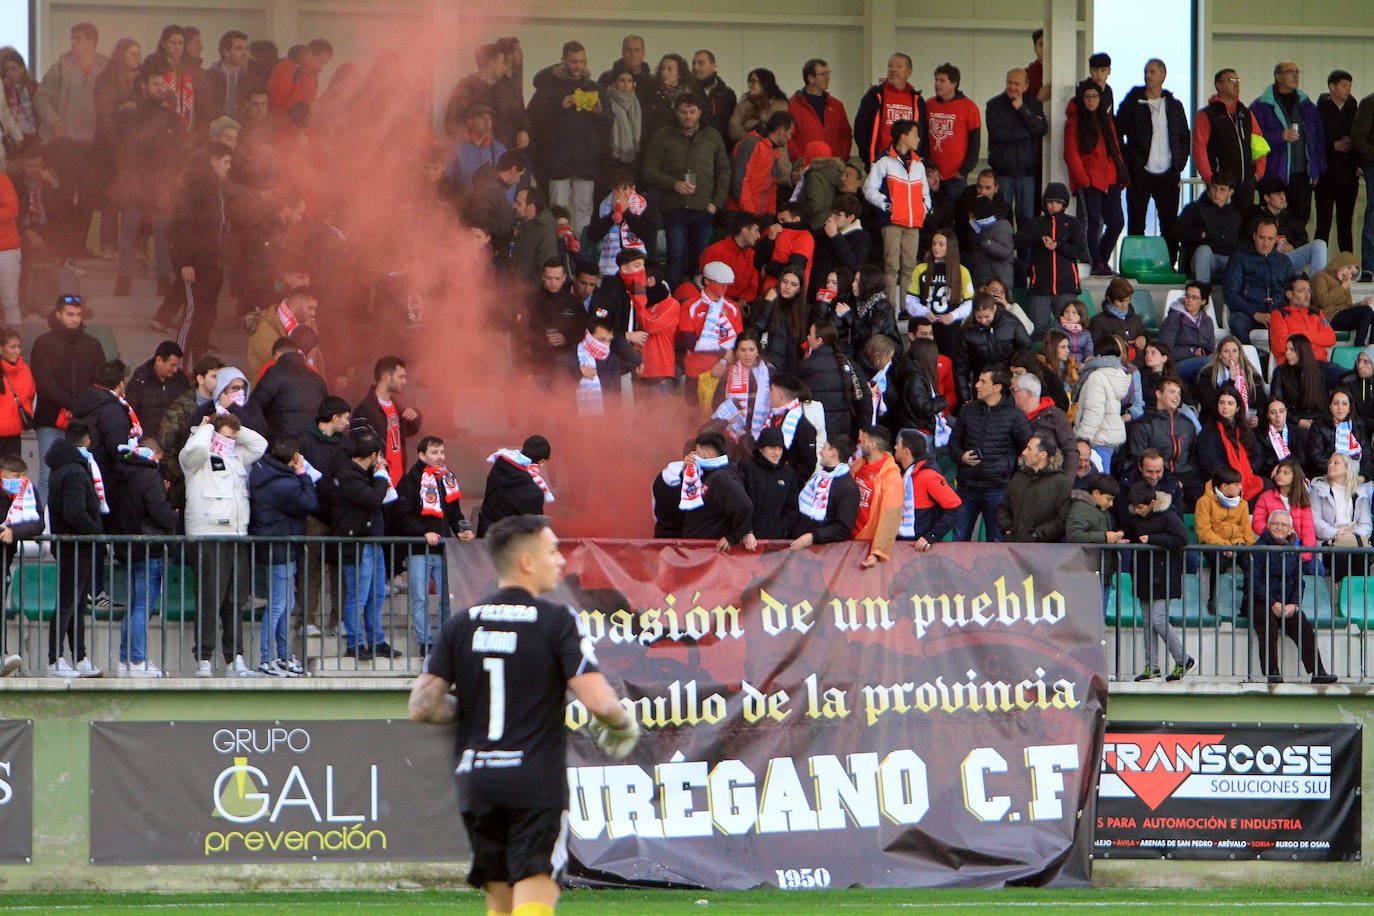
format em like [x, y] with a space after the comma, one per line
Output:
[354, 600]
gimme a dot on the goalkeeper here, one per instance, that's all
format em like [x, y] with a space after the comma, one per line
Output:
[500, 671]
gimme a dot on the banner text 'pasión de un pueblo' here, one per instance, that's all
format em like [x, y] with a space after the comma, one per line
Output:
[935, 721]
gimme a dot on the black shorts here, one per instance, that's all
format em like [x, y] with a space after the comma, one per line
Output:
[512, 844]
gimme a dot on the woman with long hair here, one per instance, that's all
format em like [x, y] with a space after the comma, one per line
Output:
[1341, 430]
[1278, 438]
[871, 315]
[1155, 362]
[1340, 512]
[832, 379]
[20, 89]
[1289, 492]
[1096, 172]
[116, 90]
[670, 81]
[744, 384]
[921, 401]
[1228, 365]
[180, 80]
[942, 289]
[1226, 441]
[761, 100]
[1299, 381]
[781, 318]
[1027, 360]
[1056, 353]
[19, 394]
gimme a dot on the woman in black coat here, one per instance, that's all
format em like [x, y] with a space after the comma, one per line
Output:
[1278, 432]
[832, 379]
[1226, 441]
[782, 317]
[1339, 430]
[871, 315]
[1298, 380]
[918, 400]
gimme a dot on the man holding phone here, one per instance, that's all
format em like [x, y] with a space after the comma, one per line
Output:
[987, 438]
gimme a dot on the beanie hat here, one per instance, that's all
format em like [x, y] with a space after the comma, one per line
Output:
[1056, 190]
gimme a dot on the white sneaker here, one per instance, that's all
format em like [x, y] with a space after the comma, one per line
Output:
[205, 669]
[239, 668]
[63, 668]
[292, 666]
[9, 665]
[86, 668]
[122, 669]
[271, 669]
[311, 630]
[143, 669]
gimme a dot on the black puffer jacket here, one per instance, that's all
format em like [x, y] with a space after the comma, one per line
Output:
[64, 364]
[73, 507]
[913, 402]
[1173, 434]
[867, 320]
[773, 489]
[1000, 432]
[289, 396]
[108, 419]
[981, 346]
[828, 382]
[142, 506]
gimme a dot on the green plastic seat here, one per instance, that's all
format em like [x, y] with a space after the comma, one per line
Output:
[1143, 254]
[1123, 608]
[1316, 604]
[1144, 305]
[1161, 277]
[1355, 599]
[1345, 356]
[178, 594]
[1086, 298]
[33, 592]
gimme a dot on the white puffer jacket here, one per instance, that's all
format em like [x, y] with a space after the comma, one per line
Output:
[217, 486]
[1099, 407]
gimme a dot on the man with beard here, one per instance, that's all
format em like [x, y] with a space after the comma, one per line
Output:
[1037, 500]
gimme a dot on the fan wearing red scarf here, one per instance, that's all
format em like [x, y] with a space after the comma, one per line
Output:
[429, 505]
[709, 329]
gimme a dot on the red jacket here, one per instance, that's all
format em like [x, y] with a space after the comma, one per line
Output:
[741, 261]
[1286, 321]
[835, 131]
[289, 84]
[9, 214]
[18, 381]
[1100, 168]
[754, 179]
[661, 321]
[691, 321]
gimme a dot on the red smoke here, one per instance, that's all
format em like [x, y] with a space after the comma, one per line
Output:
[366, 179]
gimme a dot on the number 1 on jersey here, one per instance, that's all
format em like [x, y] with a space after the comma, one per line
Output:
[496, 715]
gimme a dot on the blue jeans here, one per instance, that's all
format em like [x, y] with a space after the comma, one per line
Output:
[978, 501]
[128, 237]
[144, 592]
[1367, 233]
[1310, 257]
[688, 233]
[1189, 368]
[1207, 266]
[1102, 217]
[281, 599]
[364, 587]
[47, 435]
[1020, 193]
[951, 188]
[423, 569]
[1105, 453]
[1240, 324]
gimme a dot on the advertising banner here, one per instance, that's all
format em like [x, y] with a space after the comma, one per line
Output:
[257, 792]
[935, 721]
[1196, 791]
[16, 791]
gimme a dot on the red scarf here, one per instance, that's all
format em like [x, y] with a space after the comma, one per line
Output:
[636, 284]
[182, 85]
[287, 319]
[135, 428]
[431, 481]
[1250, 485]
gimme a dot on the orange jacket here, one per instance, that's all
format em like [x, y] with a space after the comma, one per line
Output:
[880, 504]
[754, 179]
[1287, 321]
[9, 214]
[18, 381]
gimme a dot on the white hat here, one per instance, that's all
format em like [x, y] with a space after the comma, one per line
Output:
[718, 272]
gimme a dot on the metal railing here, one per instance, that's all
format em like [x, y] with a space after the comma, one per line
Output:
[112, 602]
[1220, 621]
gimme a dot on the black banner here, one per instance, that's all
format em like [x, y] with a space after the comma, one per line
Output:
[935, 721]
[16, 791]
[1198, 791]
[256, 792]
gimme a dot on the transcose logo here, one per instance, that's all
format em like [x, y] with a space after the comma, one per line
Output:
[1155, 767]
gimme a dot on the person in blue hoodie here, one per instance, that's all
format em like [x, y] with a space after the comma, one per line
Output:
[1293, 128]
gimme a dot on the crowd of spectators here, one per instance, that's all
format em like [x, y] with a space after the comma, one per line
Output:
[865, 335]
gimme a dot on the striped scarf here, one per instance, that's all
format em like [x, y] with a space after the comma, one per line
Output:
[431, 481]
[693, 486]
[908, 526]
[787, 418]
[620, 236]
[24, 506]
[1347, 443]
[522, 461]
[815, 496]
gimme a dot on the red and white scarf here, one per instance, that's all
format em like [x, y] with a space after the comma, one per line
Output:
[620, 236]
[717, 332]
[99, 482]
[1280, 446]
[182, 86]
[1237, 377]
[589, 352]
[815, 496]
[786, 418]
[289, 322]
[222, 445]
[737, 393]
[525, 463]
[432, 480]
[135, 428]
[24, 507]
[693, 487]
